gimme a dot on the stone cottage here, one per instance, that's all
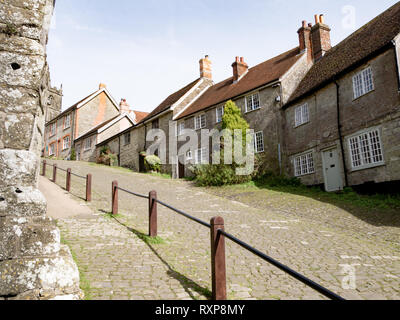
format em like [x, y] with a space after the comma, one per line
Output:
[341, 126]
[92, 111]
[129, 144]
[86, 143]
[259, 92]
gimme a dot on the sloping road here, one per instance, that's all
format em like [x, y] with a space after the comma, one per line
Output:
[179, 267]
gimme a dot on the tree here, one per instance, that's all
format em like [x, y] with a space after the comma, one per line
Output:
[225, 174]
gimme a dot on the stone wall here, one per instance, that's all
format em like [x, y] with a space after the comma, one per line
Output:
[94, 113]
[33, 263]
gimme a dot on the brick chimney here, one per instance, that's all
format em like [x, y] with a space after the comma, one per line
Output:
[102, 86]
[239, 68]
[305, 40]
[206, 68]
[320, 37]
[124, 107]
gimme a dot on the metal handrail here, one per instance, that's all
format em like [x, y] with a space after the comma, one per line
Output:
[78, 176]
[133, 193]
[185, 214]
[327, 293]
[308, 282]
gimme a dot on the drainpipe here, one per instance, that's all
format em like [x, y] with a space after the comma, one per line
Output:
[119, 151]
[396, 56]
[340, 132]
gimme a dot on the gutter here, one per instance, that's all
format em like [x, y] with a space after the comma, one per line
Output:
[264, 86]
[339, 126]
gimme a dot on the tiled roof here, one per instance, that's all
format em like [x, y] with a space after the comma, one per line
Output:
[140, 115]
[264, 73]
[173, 98]
[366, 41]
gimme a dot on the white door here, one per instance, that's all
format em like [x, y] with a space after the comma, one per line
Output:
[332, 171]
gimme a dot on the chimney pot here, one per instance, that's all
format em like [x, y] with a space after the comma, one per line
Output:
[316, 19]
[239, 68]
[320, 37]
[102, 86]
[206, 68]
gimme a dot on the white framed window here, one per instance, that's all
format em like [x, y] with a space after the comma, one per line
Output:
[219, 114]
[363, 82]
[253, 102]
[88, 143]
[53, 128]
[304, 164]
[66, 142]
[52, 149]
[67, 121]
[127, 138]
[366, 150]
[201, 156]
[189, 155]
[259, 142]
[180, 128]
[302, 115]
[200, 122]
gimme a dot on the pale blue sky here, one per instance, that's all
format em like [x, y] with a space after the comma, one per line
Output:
[146, 50]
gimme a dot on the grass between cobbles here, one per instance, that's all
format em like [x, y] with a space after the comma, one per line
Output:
[348, 196]
[84, 283]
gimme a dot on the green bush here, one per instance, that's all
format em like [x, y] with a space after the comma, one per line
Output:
[73, 154]
[272, 180]
[224, 174]
[107, 158]
[152, 163]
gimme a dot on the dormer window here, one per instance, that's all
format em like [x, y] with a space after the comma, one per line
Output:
[253, 102]
[363, 82]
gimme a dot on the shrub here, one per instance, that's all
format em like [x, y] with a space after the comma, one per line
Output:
[73, 154]
[107, 158]
[224, 174]
[218, 175]
[153, 163]
[272, 180]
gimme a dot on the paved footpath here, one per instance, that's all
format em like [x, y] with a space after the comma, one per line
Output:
[120, 263]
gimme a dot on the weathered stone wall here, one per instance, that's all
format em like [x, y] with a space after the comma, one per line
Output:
[33, 264]
[94, 113]
[130, 153]
[62, 131]
[89, 154]
[377, 109]
[115, 129]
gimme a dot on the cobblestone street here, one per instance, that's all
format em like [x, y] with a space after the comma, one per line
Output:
[119, 262]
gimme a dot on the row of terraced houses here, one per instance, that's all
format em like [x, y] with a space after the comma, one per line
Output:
[327, 115]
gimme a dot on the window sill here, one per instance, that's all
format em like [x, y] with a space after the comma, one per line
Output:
[67, 128]
[247, 112]
[305, 175]
[301, 125]
[371, 166]
[365, 94]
